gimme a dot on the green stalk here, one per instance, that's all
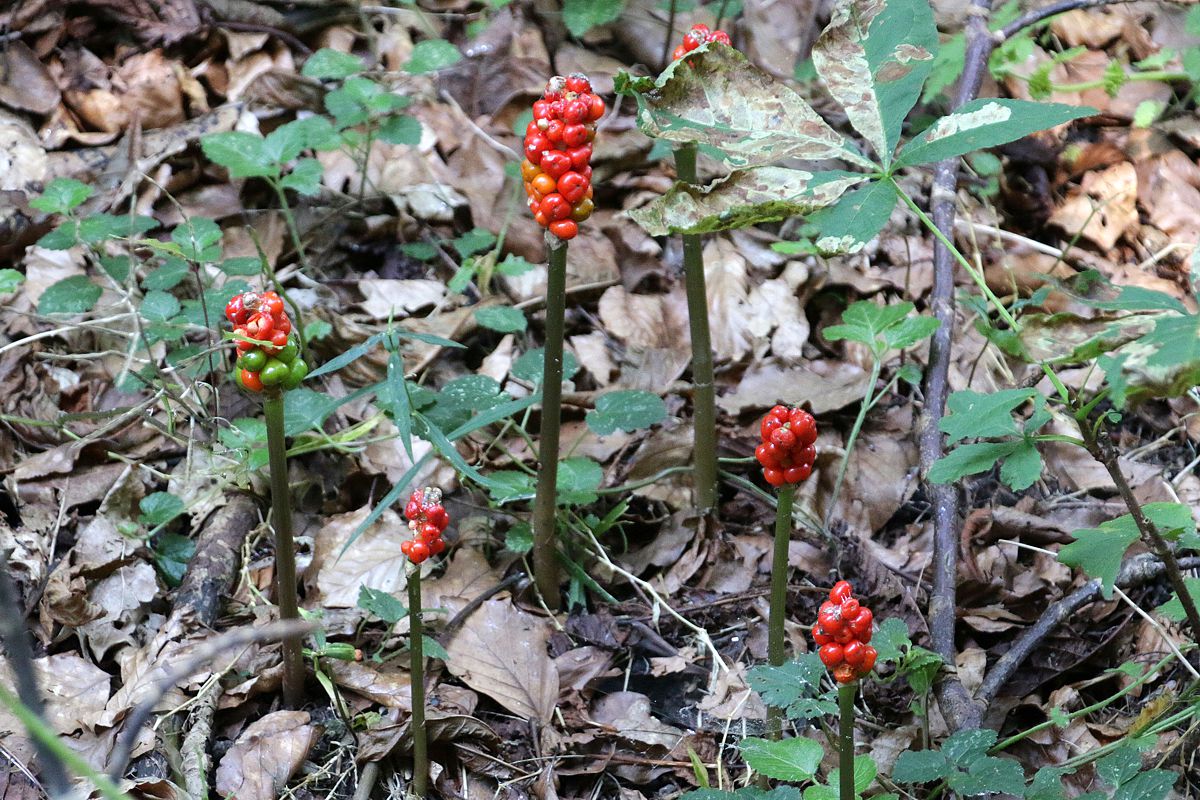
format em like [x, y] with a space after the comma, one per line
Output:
[545, 556]
[416, 651]
[285, 548]
[776, 651]
[704, 409]
[846, 694]
[858, 423]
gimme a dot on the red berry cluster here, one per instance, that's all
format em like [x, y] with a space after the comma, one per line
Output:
[262, 317]
[558, 147]
[698, 35]
[788, 447]
[427, 518]
[843, 632]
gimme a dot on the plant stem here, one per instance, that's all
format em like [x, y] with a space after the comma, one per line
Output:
[1101, 448]
[846, 695]
[416, 650]
[776, 651]
[285, 548]
[854, 432]
[545, 555]
[666, 51]
[704, 405]
[293, 231]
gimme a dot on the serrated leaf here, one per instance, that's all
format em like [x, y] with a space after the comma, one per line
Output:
[167, 276]
[580, 16]
[504, 319]
[381, 604]
[718, 98]
[10, 280]
[241, 265]
[401, 129]
[159, 508]
[578, 479]
[866, 321]
[305, 177]
[795, 759]
[243, 154]
[327, 64]
[1047, 784]
[626, 410]
[97, 228]
[855, 219]
[744, 198]
[965, 747]
[983, 415]
[474, 241]
[1153, 784]
[873, 57]
[990, 775]
[62, 195]
[865, 771]
[890, 639]
[159, 306]
[920, 766]
[982, 123]
[432, 55]
[1173, 608]
[1022, 466]
[197, 238]
[74, 295]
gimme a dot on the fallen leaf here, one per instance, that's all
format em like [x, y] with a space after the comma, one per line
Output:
[373, 559]
[1105, 207]
[266, 756]
[627, 715]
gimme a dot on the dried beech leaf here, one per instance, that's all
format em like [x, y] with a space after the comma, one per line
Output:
[266, 755]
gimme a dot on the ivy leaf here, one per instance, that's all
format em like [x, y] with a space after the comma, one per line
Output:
[719, 99]
[327, 64]
[432, 55]
[171, 555]
[74, 295]
[243, 154]
[628, 410]
[874, 57]
[970, 459]
[529, 367]
[795, 759]
[744, 198]
[983, 123]
[580, 16]
[504, 319]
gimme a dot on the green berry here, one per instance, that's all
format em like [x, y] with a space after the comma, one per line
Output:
[288, 353]
[273, 373]
[296, 374]
[253, 360]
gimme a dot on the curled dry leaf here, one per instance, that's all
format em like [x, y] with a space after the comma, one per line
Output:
[266, 756]
[501, 652]
[627, 715]
[1104, 208]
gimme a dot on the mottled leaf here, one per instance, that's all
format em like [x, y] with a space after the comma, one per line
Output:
[874, 56]
[744, 198]
[856, 219]
[719, 98]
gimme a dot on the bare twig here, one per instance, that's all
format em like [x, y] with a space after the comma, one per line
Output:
[20, 658]
[957, 706]
[203, 654]
[1137, 570]
[1045, 12]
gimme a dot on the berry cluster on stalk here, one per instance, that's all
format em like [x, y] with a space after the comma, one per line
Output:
[268, 355]
[427, 518]
[788, 447]
[843, 632]
[698, 35]
[558, 147]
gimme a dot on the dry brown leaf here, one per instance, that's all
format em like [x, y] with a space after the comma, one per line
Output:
[725, 275]
[123, 598]
[25, 83]
[826, 385]
[373, 559]
[388, 687]
[266, 756]
[627, 715]
[1104, 209]
[501, 652]
[1169, 190]
[396, 299]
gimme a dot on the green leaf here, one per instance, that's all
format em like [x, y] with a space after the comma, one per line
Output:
[504, 319]
[242, 265]
[866, 322]
[401, 129]
[171, 555]
[578, 480]
[287, 141]
[10, 280]
[965, 747]
[1047, 784]
[847, 226]
[718, 98]
[795, 759]
[316, 330]
[306, 410]
[381, 605]
[628, 410]
[198, 239]
[159, 508]
[1153, 784]
[1100, 551]
[970, 459]
[795, 686]
[398, 402]
[990, 775]
[74, 295]
[432, 55]
[159, 306]
[891, 639]
[920, 766]
[1173, 608]
[167, 276]
[243, 154]
[983, 416]
[61, 238]
[519, 538]
[744, 198]
[874, 57]
[513, 266]
[865, 771]
[327, 64]
[474, 241]
[305, 177]
[100, 227]
[580, 16]
[61, 196]
[1022, 466]
[528, 366]
[982, 123]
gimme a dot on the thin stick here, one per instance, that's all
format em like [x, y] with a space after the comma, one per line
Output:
[285, 548]
[545, 522]
[416, 652]
[867, 404]
[846, 695]
[776, 651]
[20, 657]
[666, 51]
[704, 400]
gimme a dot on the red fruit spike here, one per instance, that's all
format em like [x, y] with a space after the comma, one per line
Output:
[576, 111]
[767, 425]
[854, 653]
[831, 655]
[418, 552]
[554, 130]
[564, 229]
[580, 156]
[437, 546]
[575, 135]
[820, 636]
[773, 476]
[555, 207]
[578, 83]
[251, 381]
[805, 472]
[868, 662]
[844, 673]
[840, 591]
[406, 546]
[535, 146]
[844, 636]
[233, 309]
[831, 620]
[780, 412]
[555, 163]
[572, 186]
[783, 437]
[412, 509]
[762, 454]
[541, 109]
[850, 608]
[720, 36]
[864, 618]
[793, 475]
[429, 532]
[597, 110]
[679, 53]
[701, 29]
